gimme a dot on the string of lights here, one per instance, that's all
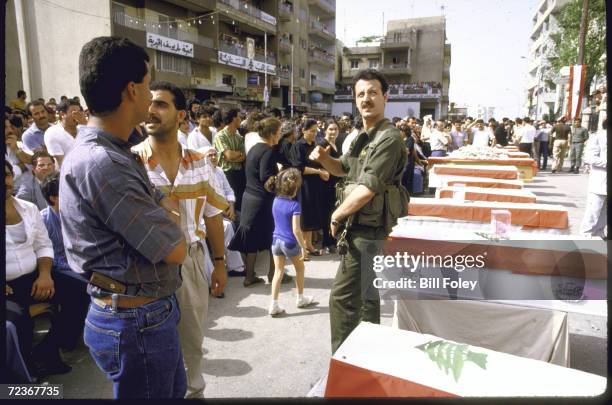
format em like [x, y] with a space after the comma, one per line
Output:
[175, 23]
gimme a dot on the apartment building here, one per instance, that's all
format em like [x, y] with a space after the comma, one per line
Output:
[307, 41]
[414, 56]
[542, 94]
[225, 50]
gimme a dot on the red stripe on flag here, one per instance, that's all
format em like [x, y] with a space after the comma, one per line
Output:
[581, 94]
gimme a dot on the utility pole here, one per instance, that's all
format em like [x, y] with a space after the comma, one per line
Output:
[583, 30]
[291, 99]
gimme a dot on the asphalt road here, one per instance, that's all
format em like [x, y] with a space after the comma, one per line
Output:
[249, 354]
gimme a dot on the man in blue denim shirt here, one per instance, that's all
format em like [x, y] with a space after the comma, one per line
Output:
[120, 230]
[72, 296]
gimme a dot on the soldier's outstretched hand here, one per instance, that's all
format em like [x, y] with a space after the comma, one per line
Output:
[319, 153]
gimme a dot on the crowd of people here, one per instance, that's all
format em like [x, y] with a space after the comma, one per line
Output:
[109, 201]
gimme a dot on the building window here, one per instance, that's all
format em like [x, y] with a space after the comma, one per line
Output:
[354, 63]
[227, 80]
[302, 74]
[167, 29]
[303, 43]
[374, 63]
[172, 63]
[303, 15]
[303, 97]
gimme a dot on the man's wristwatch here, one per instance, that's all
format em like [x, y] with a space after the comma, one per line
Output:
[335, 223]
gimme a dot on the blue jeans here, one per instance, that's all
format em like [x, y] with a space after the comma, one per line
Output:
[438, 153]
[138, 348]
[282, 248]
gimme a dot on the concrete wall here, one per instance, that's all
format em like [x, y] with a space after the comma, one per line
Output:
[402, 109]
[52, 40]
[427, 62]
[12, 61]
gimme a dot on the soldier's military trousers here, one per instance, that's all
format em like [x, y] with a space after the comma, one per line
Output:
[353, 297]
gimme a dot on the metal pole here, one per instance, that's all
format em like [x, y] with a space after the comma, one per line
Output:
[266, 95]
[291, 95]
[583, 31]
[538, 95]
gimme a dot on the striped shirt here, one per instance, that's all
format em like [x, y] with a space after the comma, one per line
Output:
[111, 219]
[224, 141]
[193, 187]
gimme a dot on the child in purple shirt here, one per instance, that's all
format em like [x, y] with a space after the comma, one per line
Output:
[287, 239]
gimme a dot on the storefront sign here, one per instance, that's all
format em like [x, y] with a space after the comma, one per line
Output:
[268, 18]
[244, 63]
[169, 45]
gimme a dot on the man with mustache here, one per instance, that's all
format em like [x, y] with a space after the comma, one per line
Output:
[181, 174]
[373, 199]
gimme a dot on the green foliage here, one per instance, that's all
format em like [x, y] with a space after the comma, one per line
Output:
[370, 38]
[452, 357]
[566, 39]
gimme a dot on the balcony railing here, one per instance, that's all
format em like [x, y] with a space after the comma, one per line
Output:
[322, 83]
[321, 56]
[248, 9]
[239, 49]
[396, 66]
[126, 20]
[285, 11]
[405, 40]
[328, 5]
[318, 25]
[284, 73]
[321, 106]
[285, 44]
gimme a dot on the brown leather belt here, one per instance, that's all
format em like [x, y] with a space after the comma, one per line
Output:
[125, 301]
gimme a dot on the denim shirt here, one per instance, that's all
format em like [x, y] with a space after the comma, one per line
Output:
[111, 218]
[54, 229]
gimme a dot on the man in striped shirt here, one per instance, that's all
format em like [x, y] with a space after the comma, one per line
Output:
[182, 175]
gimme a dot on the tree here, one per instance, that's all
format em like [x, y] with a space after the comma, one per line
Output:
[370, 38]
[566, 39]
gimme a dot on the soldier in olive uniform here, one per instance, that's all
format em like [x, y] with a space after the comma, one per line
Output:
[578, 137]
[373, 200]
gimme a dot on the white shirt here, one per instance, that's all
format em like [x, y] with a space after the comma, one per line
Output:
[182, 138]
[348, 141]
[438, 140]
[482, 138]
[251, 139]
[58, 141]
[222, 185]
[596, 156]
[196, 140]
[528, 133]
[21, 257]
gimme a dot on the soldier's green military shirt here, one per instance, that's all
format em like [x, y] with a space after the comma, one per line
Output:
[386, 162]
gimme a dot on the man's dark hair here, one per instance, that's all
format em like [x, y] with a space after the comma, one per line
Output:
[16, 121]
[34, 103]
[469, 118]
[228, 116]
[106, 66]
[192, 101]
[395, 120]
[604, 124]
[40, 154]
[276, 113]
[178, 96]
[205, 110]
[50, 186]
[492, 120]
[217, 118]
[64, 104]
[358, 123]
[518, 121]
[479, 121]
[505, 119]
[527, 120]
[63, 98]
[372, 74]
[20, 93]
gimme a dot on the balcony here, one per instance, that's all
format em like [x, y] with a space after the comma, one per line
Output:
[126, 20]
[321, 107]
[284, 74]
[322, 86]
[549, 97]
[284, 45]
[248, 14]
[396, 69]
[322, 58]
[325, 7]
[404, 40]
[285, 11]
[239, 49]
[320, 30]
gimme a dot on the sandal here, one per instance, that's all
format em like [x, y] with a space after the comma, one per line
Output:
[255, 280]
[315, 252]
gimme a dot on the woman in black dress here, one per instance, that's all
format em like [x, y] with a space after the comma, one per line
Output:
[285, 144]
[314, 179]
[254, 233]
[329, 188]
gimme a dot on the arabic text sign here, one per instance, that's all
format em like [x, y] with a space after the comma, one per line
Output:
[244, 63]
[169, 45]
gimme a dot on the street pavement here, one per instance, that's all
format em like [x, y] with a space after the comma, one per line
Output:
[251, 355]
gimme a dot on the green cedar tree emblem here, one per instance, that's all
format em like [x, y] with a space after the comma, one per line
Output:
[452, 356]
